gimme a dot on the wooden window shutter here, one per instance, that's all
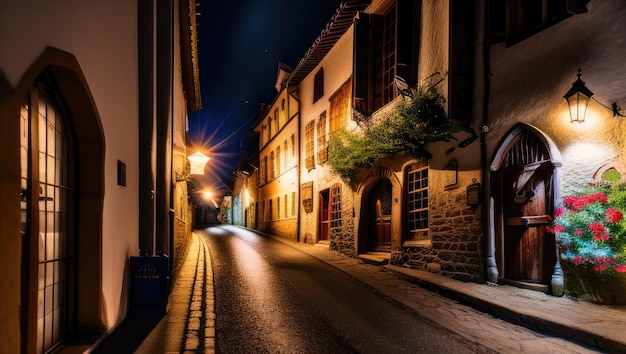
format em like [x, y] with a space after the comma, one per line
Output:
[362, 63]
[461, 61]
[407, 34]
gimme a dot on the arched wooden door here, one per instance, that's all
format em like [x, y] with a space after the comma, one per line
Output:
[379, 206]
[526, 197]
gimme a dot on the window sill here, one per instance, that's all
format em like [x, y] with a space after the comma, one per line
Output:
[416, 243]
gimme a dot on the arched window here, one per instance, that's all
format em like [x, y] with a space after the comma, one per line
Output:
[48, 203]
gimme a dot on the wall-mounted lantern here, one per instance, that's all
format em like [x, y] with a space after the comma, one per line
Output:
[197, 161]
[578, 98]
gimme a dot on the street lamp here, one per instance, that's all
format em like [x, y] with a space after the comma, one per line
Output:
[578, 98]
[197, 161]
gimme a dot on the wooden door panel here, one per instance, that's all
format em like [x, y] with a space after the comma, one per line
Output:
[528, 249]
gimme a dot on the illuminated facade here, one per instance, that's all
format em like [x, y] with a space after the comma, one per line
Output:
[532, 60]
[277, 195]
[503, 69]
[78, 183]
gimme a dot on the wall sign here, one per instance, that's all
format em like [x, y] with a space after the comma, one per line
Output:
[307, 196]
[450, 176]
[473, 194]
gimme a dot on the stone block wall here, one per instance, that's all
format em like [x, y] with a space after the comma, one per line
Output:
[287, 228]
[343, 238]
[455, 233]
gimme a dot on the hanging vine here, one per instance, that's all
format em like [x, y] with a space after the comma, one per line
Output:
[419, 119]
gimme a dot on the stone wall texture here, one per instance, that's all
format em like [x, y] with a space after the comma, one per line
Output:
[287, 228]
[455, 234]
[343, 238]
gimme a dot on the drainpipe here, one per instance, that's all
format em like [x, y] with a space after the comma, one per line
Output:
[488, 203]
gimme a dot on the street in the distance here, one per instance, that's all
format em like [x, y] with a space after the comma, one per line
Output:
[272, 297]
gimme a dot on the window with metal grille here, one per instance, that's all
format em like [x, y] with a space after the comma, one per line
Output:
[322, 142]
[385, 45]
[339, 103]
[417, 202]
[271, 166]
[49, 214]
[335, 206]
[263, 170]
[293, 150]
[309, 135]
[278, 161]
[286, 207]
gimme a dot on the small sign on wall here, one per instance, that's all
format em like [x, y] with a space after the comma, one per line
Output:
[307, 196]
[473, 194]
[121, 173]
[451, 174]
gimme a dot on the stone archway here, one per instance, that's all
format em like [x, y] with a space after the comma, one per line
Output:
[381, 191]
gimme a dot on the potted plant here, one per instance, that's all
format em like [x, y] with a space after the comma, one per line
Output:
[590, 232]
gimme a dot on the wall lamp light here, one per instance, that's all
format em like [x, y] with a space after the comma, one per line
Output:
[197, 161]
[578, 98]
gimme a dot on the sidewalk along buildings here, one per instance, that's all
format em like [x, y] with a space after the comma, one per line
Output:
[473, 207]
[92, 112]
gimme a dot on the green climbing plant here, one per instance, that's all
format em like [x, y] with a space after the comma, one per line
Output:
[419, 119]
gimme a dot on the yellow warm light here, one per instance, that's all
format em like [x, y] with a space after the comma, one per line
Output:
[207, 195]
[592, 121]
[197, 161]
[246, 198]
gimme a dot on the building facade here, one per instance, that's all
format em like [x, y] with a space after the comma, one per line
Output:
[407, 210]
[530, 63]
[476, 208]
[86, 106]
[277, 195]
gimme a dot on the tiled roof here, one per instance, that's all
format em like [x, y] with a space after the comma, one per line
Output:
[335, 28]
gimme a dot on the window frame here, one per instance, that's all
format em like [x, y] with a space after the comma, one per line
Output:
[421, 207]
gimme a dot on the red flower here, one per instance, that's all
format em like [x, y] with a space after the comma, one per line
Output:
[600, 233]
[600, 268]
[577, 260]
[613, 215]
[559, 211]
[620, 269]
[558, 228]
[579, 232]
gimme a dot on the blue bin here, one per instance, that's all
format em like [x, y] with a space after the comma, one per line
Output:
[149, 284]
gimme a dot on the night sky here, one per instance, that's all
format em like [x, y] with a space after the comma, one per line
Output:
[240, 45]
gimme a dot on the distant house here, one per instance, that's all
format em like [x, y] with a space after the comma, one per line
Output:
[92, 134]
[278, 187]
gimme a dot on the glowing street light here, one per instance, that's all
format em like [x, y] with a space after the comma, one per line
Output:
[197, 161]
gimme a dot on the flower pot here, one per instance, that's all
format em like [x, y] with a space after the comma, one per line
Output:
[582, 282]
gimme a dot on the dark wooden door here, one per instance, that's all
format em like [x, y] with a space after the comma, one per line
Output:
[324, 218]
[380, 215]
[530, 252]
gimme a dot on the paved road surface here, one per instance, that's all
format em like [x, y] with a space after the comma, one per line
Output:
[272, 298]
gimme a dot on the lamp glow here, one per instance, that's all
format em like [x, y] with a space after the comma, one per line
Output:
[577, 99]
[197, 161]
